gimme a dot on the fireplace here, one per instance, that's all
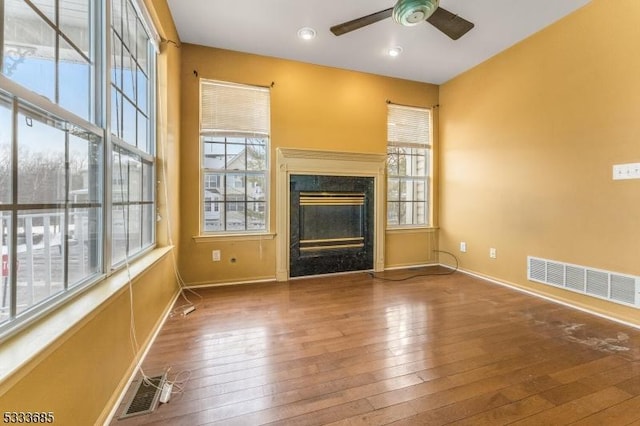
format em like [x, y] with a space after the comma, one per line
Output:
[318, 254]
[344, 211]
[331, 224]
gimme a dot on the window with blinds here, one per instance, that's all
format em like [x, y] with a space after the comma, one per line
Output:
[234, 132]
[408, 171]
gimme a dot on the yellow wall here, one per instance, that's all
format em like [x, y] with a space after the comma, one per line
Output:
[407, 248]
[312, 107]
[528, 141]
[81, 375]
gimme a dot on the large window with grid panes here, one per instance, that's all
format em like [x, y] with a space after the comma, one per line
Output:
[77, 148]
[408, 166]
[234, 132]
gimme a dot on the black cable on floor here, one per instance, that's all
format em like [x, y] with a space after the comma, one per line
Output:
[449, 272]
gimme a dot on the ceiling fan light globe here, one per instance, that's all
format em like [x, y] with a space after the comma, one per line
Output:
[413, 12]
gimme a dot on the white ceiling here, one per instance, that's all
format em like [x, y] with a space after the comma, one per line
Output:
[269, 28]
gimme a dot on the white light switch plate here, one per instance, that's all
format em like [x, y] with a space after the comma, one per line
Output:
[626, 171]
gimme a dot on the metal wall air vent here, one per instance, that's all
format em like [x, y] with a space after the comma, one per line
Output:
[612, 286]
[145, 398]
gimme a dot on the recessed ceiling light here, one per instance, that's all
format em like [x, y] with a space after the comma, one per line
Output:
[394, 51]
[307, 33]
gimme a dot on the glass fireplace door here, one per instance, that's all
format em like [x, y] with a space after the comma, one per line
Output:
[331, 224]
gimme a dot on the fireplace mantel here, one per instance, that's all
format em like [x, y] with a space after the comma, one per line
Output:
[331, 163]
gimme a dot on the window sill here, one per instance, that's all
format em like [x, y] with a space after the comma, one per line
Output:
[202, 239]
[36, 339]
[412, 230]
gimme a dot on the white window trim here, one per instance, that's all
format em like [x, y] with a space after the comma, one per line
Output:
[428, 178]
[147, 22]
[53, 318]
[258, 234]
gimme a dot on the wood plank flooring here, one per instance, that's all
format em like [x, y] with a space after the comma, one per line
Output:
[431, 350]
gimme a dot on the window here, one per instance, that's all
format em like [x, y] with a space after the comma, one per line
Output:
[64, 181]
[50, 204]
[133, 210]
[132, 65]
[234, 129]
[47, 47]
[408, 172]
[212, 182]
[132, 76]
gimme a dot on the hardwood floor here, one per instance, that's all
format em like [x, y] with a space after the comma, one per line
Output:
[353, 350]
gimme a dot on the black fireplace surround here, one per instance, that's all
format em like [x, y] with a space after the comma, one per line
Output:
[331, 224]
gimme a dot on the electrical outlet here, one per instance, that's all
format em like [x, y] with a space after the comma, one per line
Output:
[463, 247]
[626, 171]
[493, 253]
[215, 255]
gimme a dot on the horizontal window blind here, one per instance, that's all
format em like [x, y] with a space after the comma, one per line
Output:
[228, 108]
[408, 125]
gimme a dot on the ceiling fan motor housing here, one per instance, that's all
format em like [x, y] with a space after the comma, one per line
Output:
[412, 12]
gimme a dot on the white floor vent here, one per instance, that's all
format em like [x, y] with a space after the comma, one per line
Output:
[612, 286]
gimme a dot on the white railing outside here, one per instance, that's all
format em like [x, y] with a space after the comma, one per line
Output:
[40, 256]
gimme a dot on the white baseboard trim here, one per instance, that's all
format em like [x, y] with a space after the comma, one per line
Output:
[209, 284]
[422, 265]
[545, 297]
[194, 286]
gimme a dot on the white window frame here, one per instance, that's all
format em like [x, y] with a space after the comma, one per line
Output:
[224, 122]
[141, 150]
[98, 125]
[51, 19]
[409, 129]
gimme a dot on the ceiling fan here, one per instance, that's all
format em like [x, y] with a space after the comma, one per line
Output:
[412, 12]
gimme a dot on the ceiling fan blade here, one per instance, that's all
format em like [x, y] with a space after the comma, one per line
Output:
[361, 22]
[452, 25]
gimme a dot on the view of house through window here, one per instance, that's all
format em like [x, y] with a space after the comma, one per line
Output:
[235, 145]
[57, 191]
[408, 174]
